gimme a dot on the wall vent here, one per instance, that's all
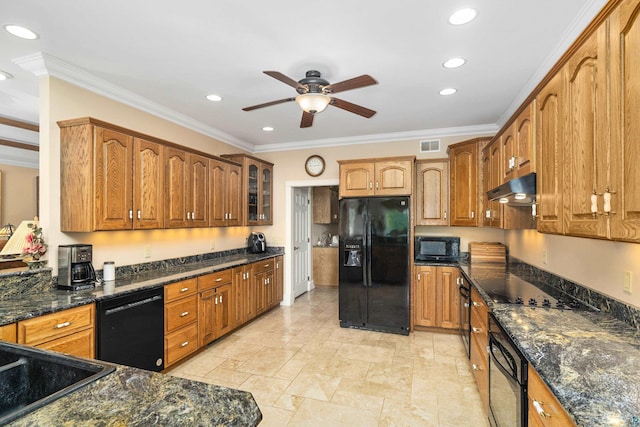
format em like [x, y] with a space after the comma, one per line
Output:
[430, 146]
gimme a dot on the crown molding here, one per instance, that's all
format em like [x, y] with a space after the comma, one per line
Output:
[488, 129]
[42, 64]
[18, 157]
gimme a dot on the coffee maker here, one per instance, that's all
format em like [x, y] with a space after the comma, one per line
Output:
[75, 270]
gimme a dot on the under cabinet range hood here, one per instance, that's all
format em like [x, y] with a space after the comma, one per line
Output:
[517, 192]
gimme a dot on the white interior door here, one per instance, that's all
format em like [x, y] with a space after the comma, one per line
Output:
[301, 241]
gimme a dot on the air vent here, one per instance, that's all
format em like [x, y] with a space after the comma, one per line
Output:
[431, 146]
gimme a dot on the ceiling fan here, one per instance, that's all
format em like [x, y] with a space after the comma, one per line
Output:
[314, 95]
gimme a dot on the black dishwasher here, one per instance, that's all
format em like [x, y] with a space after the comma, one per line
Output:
[131, 329]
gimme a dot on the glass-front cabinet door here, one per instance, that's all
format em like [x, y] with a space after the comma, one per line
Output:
[258, 189]
[253, 194]
[267, 185]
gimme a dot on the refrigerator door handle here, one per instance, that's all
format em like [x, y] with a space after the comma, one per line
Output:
[368, 250]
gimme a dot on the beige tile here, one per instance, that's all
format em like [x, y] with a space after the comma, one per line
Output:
[315, 413]
[199, 365]
[291, 369]
[400, 413]
[267, 362]
[274, 417]
[358, 400]
[265, 390]
[340, 367]
[238, 350]
[366, 353]
[229, 376]
[290, 402]
[313, 386]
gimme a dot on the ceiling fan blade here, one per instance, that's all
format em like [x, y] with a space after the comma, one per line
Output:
[307, 120]
[284, 79]
[352, 108]
[268, 104]
[354, 83]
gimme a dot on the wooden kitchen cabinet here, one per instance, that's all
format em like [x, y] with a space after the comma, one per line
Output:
[587, 137]
[9, 333]
[517, 147]
[325, 266]
[264, 284]
[215, 306]
[187, 189]
[279, 279]
[245, 308]
[225, 188]
[257, 191]
[465, 181]
[69, 331]
[491, 160]
[550, 142]
[390, 176]
[432, 192]
[478, 345]
[180, 320]
[544, 408]
[325, 205]
[111, 179]
[436, 301]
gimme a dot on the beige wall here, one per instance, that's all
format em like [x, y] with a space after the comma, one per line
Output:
[18, 194]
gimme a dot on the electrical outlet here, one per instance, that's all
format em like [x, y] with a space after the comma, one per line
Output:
[627, 282]
[545, 258]
[212, 245]
[147, 251]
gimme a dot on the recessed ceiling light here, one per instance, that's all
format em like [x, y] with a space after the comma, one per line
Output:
[22, 32]
[214, 97]
[268, 129]
[4, 75]
[462, 16]
[454, 63]
[448, 91]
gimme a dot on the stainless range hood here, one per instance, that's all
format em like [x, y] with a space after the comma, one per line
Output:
[517, 192]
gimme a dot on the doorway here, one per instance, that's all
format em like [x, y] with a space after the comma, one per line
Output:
[294, 266]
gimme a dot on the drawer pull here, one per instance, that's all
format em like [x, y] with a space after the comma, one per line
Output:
[477, 304]
[184, 289]
[220, 299]
[266, 266]
[219, 279]
[184, 313]
[476, 367]
[184, 344]
[540, 409]
[62, 325]
[476, 330]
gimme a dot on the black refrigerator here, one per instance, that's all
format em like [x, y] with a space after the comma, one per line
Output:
[374, 264]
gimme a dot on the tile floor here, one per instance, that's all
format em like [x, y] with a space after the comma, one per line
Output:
[304, 370]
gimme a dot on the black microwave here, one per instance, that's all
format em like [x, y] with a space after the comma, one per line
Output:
[437, 248]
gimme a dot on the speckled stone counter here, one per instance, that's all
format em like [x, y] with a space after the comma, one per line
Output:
[590, 360]
[135, 397]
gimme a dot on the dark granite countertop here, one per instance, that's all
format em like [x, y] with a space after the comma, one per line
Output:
[589, 359]
[23, 306]
[135, 397]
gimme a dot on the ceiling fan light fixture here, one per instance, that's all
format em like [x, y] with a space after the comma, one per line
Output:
[4, 75]
[268, 128]
[213, 97]
[313, 102]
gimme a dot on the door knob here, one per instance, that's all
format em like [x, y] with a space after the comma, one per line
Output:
[295, 248]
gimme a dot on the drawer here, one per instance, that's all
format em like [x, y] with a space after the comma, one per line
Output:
[480, 306]
[180, 289]
[55, 325]
[547, 411]
[479, 324]
[212, 280]
[262, 266]
[79, 344]
[9, 333]
[480, 367]
[179, 313]
[180, 344]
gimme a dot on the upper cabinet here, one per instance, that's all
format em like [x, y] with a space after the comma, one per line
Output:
[325, 205]
[225, 189]
[464, 198]
[391, 176]
[517, 147]
[549, 145]
[492, 177]
[187, 187]
[432, 192]
[123, 192]
[257, 191]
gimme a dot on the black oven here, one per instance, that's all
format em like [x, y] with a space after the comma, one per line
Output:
[507, 379]
[437, 248]
[464, 288]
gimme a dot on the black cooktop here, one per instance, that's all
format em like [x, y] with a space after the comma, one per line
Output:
[511, 289]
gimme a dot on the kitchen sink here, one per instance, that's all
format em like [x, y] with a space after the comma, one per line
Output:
[31, 378]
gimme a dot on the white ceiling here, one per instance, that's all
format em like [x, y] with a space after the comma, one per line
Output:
[166, 56]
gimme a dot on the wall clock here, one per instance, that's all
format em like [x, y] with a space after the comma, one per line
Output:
[314, 165]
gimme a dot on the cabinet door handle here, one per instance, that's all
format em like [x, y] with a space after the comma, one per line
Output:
[377, 185]
[473, 214]
[139, 214]
[216, 301]
[445, 215]
[540, 410]
[476, 330]
[418, 277]
[220, 299]
[370, 185]
[130, 213]
[477, 304]
[184, 313]
[62, 325]
[184, 344]
[188, 215]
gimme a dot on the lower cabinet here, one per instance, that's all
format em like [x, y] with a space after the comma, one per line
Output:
[215, 306]
[325, 266]
[180, 320]
[9, 333]
[544, 408]
[436, 297]
[69, 331]
[245, 296]
[264, 285]
[478, 345]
